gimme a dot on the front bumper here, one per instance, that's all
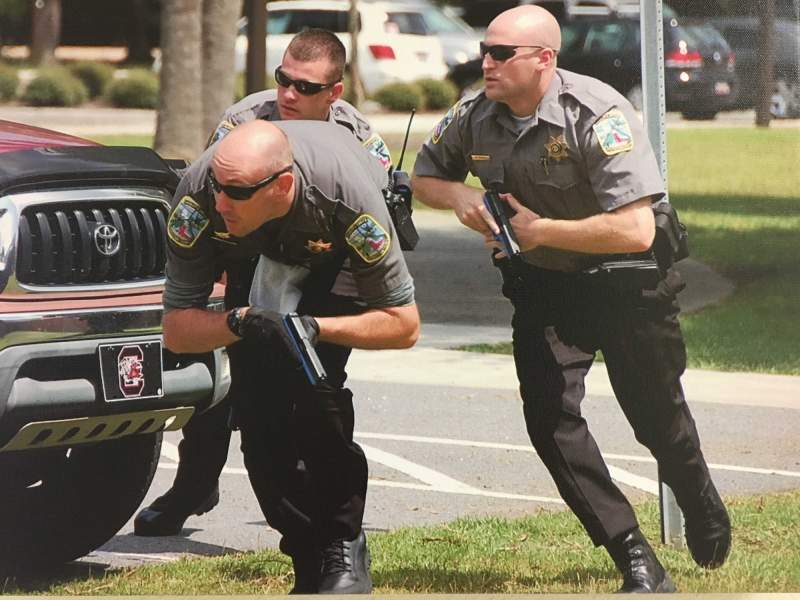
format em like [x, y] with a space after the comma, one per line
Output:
[51, 388]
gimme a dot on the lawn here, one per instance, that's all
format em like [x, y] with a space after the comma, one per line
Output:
[547, 552]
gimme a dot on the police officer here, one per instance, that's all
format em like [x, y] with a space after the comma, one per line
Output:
[309, 87]
[577, 168]
[307, 197]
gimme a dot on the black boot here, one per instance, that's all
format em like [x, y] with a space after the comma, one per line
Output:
[166, 515]
[708, 529]
[641, 571]
[345, 567]
[307, 570]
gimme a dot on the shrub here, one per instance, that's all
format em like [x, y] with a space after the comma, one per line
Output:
[8, 82]
[438, 94]
[95, 76]
[55, 86]
[138, 90]
[399, 97]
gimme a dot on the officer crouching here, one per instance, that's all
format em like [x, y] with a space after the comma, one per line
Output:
[307, 199]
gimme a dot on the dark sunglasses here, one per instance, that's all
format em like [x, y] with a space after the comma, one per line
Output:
[501, 52]
[243, 192]
[306, 88]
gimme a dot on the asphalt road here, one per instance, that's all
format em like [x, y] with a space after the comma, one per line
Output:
[444, 434]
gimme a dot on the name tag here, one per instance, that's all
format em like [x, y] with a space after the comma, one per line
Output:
[480, 157]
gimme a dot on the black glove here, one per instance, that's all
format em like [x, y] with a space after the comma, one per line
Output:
[267, 326]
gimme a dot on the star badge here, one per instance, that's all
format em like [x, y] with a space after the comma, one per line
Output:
[556, 148]
[319, 246]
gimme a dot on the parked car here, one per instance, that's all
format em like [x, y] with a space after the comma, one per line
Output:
[699, 77]
[742, 33]
[86, 388]
[386, 53]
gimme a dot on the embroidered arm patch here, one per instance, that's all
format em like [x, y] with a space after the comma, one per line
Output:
[446, 120]
[186, 222]
[613, 133]
[377, 147]
[366, 236]
[223, 129]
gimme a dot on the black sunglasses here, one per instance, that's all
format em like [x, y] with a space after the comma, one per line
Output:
[243, 192]
[501, 52]
[306, 88]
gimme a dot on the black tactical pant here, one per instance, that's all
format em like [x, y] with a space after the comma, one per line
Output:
[560, 322]
[308, 474]
[203, 450]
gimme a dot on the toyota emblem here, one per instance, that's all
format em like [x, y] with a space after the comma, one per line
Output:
[107, 240]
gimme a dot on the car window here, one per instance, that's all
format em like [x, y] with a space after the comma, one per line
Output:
[438, 21]
[406, 22]
[741, 37]
[572, 35]
[295, 21]
[605, 37]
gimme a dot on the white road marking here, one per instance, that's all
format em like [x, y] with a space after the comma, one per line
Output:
[435, 481]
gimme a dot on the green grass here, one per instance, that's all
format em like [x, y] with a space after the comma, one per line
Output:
[547, 552]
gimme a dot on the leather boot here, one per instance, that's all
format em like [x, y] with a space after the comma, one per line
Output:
[708, 529]
[166, 515]
[640, 568]
[345, 567]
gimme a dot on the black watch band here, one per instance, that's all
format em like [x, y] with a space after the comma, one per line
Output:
[234, 320]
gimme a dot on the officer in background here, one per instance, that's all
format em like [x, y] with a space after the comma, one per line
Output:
[307, 197]
[581, 176]
[310, 87]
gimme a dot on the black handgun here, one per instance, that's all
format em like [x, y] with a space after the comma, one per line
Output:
[309, 359]
[500, 213]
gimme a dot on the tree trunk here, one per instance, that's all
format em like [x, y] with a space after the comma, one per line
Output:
[45, 30]
[256, 67]
[219, 78]
[136, 33]
[356, 85]
[766, 58]
[179, 125]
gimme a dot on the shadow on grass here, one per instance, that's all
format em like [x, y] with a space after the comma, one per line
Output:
[42, 579]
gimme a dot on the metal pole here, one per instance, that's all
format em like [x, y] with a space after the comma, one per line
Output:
[654, 107]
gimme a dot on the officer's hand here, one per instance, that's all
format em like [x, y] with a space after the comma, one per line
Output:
[267, 326]
[471, 211]
[524, 224]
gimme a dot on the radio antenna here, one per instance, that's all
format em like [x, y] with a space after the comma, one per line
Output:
[405, 141]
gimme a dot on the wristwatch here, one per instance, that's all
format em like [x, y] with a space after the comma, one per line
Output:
[234, 320]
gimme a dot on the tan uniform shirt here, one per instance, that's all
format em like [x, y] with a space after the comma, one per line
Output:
[584, 152]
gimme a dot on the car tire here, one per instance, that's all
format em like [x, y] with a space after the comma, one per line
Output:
[699, 115]
[785, 102]
[635, 96]
[58, 504]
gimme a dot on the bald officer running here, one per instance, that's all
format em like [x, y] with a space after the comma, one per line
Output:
[578, 172]
[307, 197]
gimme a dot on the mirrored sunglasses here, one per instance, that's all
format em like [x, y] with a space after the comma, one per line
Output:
[306, 88]
[243, 192]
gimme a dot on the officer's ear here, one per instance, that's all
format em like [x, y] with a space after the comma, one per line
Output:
[336, 91]
[284, 182]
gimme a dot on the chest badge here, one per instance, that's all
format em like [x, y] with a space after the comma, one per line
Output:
[318, 246]
[556, 148]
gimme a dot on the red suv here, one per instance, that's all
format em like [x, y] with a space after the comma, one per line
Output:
[86, 387]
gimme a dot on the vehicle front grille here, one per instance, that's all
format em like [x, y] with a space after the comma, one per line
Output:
[59, 243]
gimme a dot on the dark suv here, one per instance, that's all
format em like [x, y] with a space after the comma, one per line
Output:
[86, 389]
[699, 65]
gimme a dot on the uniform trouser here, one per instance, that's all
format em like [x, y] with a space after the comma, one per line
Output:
[203, 450]
[308, 474]
[560, 322]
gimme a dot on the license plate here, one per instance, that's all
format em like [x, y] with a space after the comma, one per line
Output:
[131, 371]
[722, 88]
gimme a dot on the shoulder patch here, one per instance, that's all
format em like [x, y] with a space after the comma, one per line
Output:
[377, 147]
[442, 125]
[613, 133]
[186, 222]
[220, 132]
[368, 238]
